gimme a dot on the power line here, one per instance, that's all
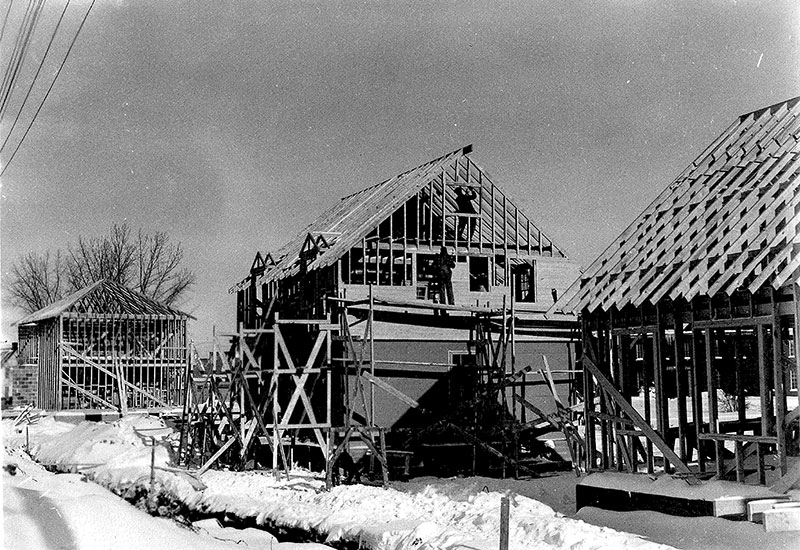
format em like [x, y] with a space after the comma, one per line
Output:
[21, 57]
[33, 81]
[46, 95]
[17, 42]
[5, 20]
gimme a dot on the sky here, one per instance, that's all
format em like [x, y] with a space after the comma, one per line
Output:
[232, 125]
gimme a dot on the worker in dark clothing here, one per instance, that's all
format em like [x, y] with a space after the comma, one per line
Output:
[464, 198]
[445, 266]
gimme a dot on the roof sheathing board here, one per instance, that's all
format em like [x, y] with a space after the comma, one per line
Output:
[741, 191]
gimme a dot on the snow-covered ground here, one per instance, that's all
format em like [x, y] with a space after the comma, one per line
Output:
[80, 510]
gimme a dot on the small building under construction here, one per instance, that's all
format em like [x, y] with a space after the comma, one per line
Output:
[689, 319]
[102, 347]
[352, 317]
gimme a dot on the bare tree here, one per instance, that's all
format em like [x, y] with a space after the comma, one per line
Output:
[37, 280]
[148, 263]
[160, 275]
[110, 257]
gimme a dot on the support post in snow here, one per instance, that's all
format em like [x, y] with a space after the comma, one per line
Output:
[27, 440]
[152, 466]
[504, 523]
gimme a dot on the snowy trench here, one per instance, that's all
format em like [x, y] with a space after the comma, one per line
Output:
[118, 457]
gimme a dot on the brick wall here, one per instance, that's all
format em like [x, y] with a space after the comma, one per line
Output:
[25, 380]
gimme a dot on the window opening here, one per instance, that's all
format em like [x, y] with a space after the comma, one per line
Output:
[479, 274]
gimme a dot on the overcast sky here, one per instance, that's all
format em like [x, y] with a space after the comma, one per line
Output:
[231, 125]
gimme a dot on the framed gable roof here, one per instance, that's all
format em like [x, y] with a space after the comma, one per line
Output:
[728, 222]
[355, 216]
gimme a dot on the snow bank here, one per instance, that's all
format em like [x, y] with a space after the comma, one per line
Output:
[117, 456]
[378, 518]
[453, 516]
[45, 510]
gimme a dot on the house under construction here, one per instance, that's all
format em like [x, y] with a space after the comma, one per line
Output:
[344, 332]
[102, 347]
[689, 319]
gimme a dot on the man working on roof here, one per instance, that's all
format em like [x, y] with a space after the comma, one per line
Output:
[464, 198]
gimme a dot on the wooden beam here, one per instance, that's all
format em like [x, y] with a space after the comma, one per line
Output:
[677, 325]
[72, 352]
[780, 391]
[215, 456]
[637, 420]
[391, 390]
[69, 383]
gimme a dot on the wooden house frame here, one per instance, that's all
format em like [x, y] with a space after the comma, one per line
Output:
[697, 302]
[367, 264]
[388, 235]
[105, 347]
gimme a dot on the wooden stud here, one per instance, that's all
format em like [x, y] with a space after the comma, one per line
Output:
[662, 411]
[679, 368]
[697, 397]
[780, 392]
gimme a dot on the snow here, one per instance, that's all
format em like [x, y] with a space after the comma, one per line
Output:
[45, 510]
[669, 486]
[700, 533]
[448, 516]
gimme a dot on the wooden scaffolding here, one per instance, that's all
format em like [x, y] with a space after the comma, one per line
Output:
[312, 383]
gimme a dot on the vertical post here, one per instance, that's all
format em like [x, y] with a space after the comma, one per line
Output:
[275, 361]
[501, 376]
[242, 380]
[328, 377]
[430, 213]
[763, 394]
[371, 356]
[602, 362]
[329, 459]
[514, 353]
[59, 381]
[739, 377]
[647, 368]
[780, 390]
[480, 211]
[697, 398]
[677, 323]
[711, 383]
[494, 244]
[739, 458]
[616, 368]
[385, 463]
[152, 466]
[659, 371]
[186, 404]
[588, 399]
[504, 518]
[505, 231]
[444, 206]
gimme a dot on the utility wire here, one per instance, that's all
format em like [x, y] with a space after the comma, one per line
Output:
[17, 43]
[21, 58]
[33, 81]
[5, 19]
[30, 125]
